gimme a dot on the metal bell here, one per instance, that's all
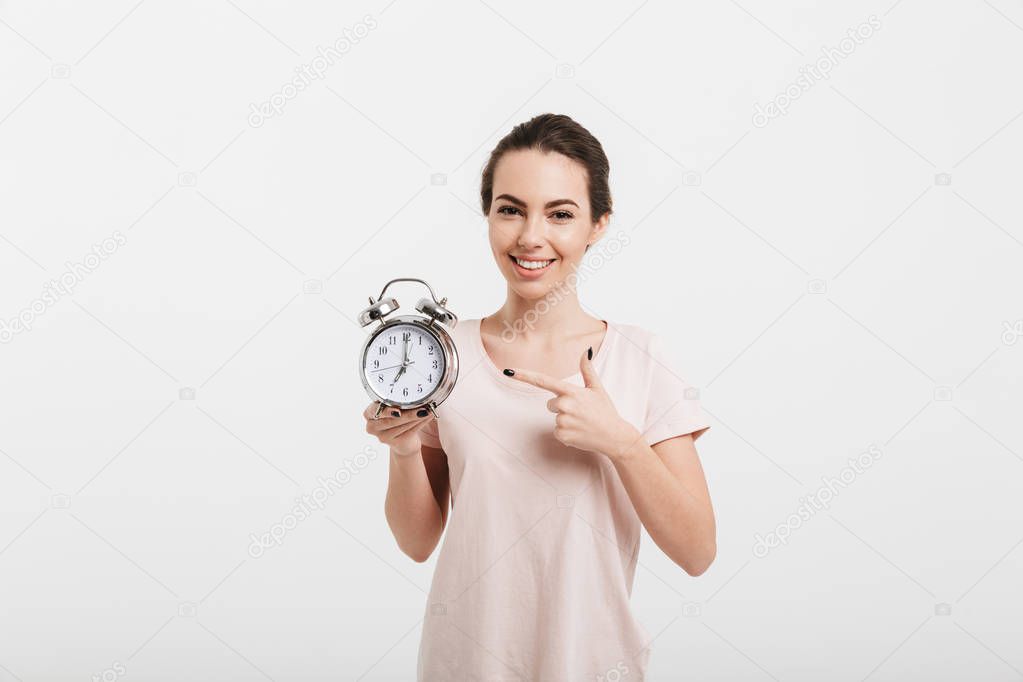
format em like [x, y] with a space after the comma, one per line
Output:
[377, 311]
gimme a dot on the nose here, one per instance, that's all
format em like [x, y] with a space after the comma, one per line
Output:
[532, 233]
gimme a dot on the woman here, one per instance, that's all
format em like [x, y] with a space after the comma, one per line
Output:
[562, 435]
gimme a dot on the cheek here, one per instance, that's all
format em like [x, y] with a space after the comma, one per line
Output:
[500, 239]
[504, 234]
[570, 243]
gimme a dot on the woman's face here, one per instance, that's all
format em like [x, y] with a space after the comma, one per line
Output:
[540, 213]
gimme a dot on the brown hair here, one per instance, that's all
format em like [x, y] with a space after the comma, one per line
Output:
[555, 133]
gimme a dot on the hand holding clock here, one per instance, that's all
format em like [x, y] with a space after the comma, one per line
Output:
[586, 417]
[397, 429]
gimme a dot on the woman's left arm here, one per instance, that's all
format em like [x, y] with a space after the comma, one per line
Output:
[668, 488]
[665, 481]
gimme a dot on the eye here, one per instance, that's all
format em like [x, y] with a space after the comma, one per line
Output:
[505, 209]
[562, 215]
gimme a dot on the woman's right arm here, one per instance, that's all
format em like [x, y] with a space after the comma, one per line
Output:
[418, 487]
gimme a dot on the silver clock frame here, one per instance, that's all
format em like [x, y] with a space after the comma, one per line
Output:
[437, 321]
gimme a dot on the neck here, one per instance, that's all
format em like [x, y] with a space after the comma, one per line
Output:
[560, 315]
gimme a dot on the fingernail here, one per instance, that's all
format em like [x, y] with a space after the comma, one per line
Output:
[395, 413]
[589, 353]
[510, 372]
[423, 412]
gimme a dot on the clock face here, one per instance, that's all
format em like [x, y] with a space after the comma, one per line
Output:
[404, 363]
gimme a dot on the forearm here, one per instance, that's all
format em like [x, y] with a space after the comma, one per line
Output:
[680, 523]
[411, 508]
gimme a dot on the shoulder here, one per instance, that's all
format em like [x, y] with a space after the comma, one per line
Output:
[633, 338]
[462, 327]
[461, 335]
[646, 351]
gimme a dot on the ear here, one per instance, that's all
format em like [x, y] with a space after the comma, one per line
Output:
[599, 228]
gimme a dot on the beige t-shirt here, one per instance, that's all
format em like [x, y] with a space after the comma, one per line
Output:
[535, 571]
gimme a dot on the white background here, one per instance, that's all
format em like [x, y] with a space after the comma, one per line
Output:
[818, 278]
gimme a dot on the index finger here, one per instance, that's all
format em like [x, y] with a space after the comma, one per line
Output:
[542, 380]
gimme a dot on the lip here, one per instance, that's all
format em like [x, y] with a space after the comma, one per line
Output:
[523, 273]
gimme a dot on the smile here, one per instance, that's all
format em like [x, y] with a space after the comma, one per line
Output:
[532, 264]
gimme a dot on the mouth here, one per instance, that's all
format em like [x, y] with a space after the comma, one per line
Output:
[531, 266]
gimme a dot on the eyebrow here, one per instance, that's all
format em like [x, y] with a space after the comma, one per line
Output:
[549, 204]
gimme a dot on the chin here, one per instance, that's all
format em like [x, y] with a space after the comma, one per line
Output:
[531, 291]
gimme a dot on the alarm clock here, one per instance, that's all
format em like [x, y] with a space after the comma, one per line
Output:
[408, 361]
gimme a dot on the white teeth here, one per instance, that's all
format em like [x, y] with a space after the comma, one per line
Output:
[533, 264]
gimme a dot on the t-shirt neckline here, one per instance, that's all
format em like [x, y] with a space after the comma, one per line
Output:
[516, 385]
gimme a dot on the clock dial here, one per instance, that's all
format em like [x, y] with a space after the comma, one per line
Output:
[404, 363]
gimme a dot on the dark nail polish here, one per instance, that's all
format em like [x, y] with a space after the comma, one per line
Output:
[423, 412]
[510, 372]
[395, 413]
[589, 353]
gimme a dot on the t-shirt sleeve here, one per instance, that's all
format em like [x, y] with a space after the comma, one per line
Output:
[429, 435]
[673, 404]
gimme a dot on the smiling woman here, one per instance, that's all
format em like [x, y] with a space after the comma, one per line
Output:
[571, 435]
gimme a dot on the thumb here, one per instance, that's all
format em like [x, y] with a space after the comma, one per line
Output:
[590, 378]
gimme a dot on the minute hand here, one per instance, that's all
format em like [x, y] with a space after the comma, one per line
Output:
[384, 369]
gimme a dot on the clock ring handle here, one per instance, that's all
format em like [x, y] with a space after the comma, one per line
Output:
[382, 307]
[409, 279]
